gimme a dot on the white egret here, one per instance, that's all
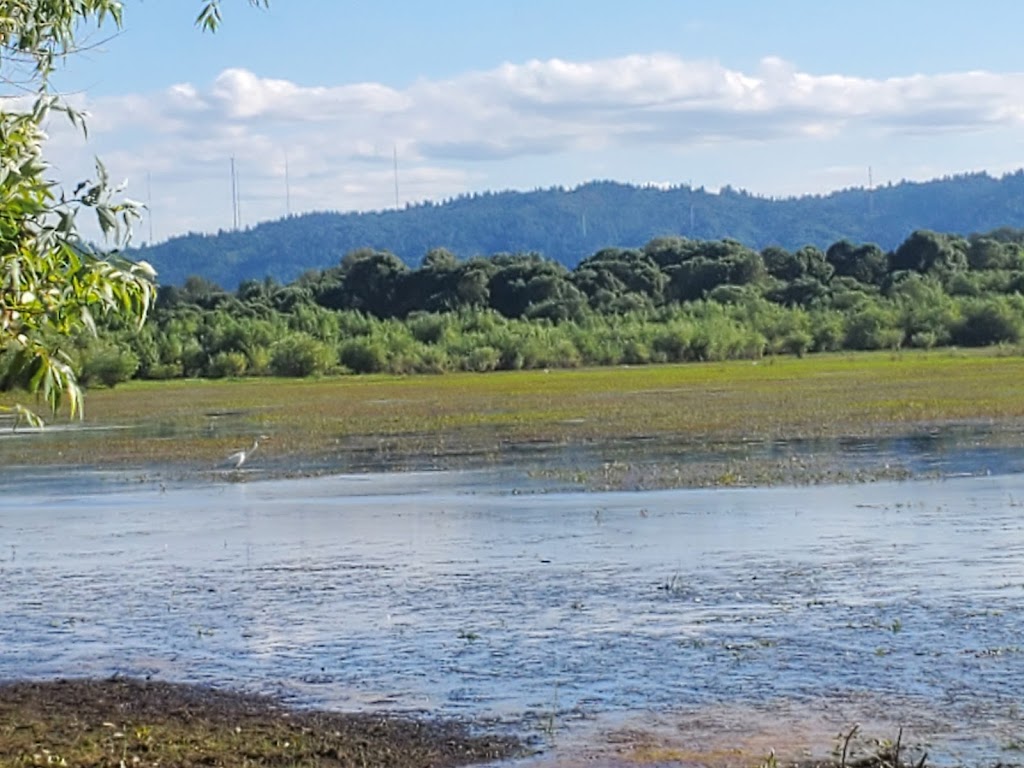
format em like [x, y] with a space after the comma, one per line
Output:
[239, 457]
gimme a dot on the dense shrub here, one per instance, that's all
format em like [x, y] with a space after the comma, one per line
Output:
[482, 359]
[227, 364]
[428, 328]
[872, 328]
[827, 329]
[672, 343]
[990, 321]
[301, 355]
[363, 355]
[106, 364]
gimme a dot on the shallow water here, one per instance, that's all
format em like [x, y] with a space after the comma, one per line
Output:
[573, 613]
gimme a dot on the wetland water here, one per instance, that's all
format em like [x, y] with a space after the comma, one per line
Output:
[563, 613]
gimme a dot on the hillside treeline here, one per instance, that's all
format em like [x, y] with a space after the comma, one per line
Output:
[568, 225]
[675, 299]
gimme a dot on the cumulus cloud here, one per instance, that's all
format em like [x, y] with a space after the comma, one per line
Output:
[339, 141]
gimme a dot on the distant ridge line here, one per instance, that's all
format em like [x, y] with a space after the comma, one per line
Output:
[551, 222]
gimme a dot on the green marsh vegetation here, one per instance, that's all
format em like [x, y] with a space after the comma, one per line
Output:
[321, 424]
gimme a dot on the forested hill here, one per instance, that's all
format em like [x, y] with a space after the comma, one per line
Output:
[570, 225]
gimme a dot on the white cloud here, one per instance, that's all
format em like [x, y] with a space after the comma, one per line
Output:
[339, 140]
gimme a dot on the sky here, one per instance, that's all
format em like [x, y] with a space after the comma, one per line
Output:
[364, 104]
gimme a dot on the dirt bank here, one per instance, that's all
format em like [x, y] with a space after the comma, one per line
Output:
[122, 722]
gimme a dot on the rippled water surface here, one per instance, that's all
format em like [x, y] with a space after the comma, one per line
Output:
[445, 592]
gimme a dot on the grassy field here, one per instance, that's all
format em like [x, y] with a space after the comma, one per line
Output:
[195, 423]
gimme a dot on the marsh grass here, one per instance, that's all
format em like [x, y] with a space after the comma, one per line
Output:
[324, 422]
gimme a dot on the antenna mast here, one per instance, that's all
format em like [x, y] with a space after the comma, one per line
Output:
[689, 186]
[396, 176]
[287, 189]
[234, 195]
[871, 193]
[149, 204]
[238, 200]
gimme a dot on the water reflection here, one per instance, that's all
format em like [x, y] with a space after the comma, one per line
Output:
[444, 592]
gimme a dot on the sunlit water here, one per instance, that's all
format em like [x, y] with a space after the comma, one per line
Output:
[446, 593]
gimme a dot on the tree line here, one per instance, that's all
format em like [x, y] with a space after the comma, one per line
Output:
[568, 225]
[673, 300]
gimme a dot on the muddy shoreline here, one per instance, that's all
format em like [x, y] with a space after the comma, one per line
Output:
[122, 721]
[118, 721]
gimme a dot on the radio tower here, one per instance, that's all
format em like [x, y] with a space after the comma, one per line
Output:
[287, 189]
[235, 213]
[149, 205]
[871, 193]
[396, 176]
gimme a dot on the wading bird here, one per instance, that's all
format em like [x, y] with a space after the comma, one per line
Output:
[238, 458]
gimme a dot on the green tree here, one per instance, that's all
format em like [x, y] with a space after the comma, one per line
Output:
[53, 285]
[525, 281]
[629, 270]
[865, 263]
[671, 251]
[366, 280]
[926, 251]
[989, 253]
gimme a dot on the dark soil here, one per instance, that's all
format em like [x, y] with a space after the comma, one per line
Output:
[125, 722]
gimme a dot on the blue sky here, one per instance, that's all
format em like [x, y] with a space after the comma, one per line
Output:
[779, 98]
